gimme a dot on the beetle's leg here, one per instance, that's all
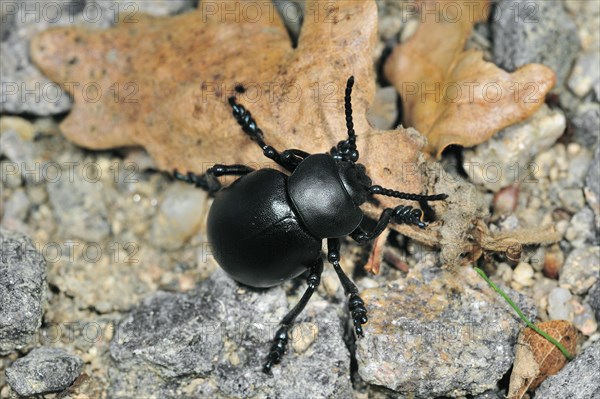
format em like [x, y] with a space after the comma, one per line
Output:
[346, 149]
[248, 124]
[399, 214]
[357, 308]
[208, 180]
[281, 336]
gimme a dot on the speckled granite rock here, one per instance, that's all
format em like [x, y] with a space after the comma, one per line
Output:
[43, 370]
[534, 31]
[212, 342]
[579, 379]
[432, 335]
[23, 283]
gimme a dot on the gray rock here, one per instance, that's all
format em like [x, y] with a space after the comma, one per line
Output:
[429, 337]
[534, 31]
[22, 155]
[43, 370]
[586, 74]
[24, 88]
[581, 232]
[559, 304]
[593, 299]
[586, 124]
[179, 217]
[212, 342]
[77, 198]
[580, 270]
[592, 186]
[579, 379]
[23, 283]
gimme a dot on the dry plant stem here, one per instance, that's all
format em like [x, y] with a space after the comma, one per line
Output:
[522, 316]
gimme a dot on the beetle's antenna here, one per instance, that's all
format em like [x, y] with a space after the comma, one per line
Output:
[407, 196]
[348, 108]
[346, 149]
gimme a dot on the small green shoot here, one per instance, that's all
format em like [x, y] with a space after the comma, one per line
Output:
[522, 316]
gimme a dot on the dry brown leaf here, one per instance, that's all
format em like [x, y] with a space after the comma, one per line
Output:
[537, 358]
[453, 96]
[182, 69]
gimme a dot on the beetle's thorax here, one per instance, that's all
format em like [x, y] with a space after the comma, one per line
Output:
[326, 195]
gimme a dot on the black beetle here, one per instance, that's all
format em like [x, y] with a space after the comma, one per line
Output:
[267, 227]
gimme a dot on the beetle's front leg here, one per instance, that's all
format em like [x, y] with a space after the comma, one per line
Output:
[357, 308]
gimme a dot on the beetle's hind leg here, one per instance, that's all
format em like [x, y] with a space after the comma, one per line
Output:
[356, 306]
[288, 159]
[208, 180]
[281, 336]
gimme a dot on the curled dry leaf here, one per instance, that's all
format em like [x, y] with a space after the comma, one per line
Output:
[453, 96]
[537, 358]
[165, 84]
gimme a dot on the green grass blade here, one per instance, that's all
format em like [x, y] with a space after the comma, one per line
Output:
[522, 316]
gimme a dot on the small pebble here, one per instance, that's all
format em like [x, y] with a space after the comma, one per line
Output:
[553, 262]
[523, 274]
[559, 306]
[302, 336]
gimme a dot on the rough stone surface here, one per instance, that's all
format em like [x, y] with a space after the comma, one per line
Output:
[579, 379]
[592, 186]
[534, 31]
[77, 199]
[580, 270]
[581, 232]
[505, 158]
[412, 321]
[586, 124]
[180, 215]
[586, 74]
[43, 370]
[593, 299]
[23, 283]
[212, 342]
[24, 89]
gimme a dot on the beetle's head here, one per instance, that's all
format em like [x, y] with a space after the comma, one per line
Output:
[355, 180]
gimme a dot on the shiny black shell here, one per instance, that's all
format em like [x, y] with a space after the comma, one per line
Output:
[255, 234]
[321, 198]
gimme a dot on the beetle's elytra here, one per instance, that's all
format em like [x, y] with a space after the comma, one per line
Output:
[268, 227]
